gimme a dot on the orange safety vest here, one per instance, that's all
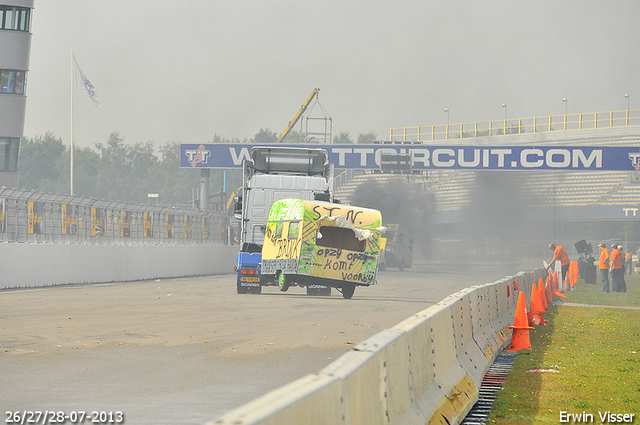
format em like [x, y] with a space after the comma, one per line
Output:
[616, 259]
[604, 259]
[561, 254]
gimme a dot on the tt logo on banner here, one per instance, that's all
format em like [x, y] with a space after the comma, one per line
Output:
[198, 156]
[634, 156]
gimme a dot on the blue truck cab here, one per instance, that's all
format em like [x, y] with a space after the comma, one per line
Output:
[248, 269]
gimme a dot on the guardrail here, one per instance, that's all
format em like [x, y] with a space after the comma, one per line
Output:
[542, 124]
[426, 370]
[27, 216]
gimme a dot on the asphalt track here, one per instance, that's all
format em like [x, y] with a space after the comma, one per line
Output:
[188, 350]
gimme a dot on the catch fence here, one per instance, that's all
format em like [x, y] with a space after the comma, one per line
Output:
[36, 217]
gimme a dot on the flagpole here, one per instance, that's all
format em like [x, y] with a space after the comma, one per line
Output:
[92, 95]
[73, 81]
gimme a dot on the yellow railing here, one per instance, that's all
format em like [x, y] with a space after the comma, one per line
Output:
[342, 178]
[517, 126]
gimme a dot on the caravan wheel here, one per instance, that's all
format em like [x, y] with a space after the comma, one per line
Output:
[284, 282]
[347, 290]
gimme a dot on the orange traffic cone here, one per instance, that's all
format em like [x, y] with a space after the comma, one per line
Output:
[543, 296]
[556, 290]
[548, 292]
[558, 294]
[520, 337]
[536, 313]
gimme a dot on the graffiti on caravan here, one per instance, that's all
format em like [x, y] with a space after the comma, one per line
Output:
[437, 157]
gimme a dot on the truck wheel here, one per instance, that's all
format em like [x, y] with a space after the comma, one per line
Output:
[347, 290]
[242, 289]
[402, 266]
[284, 282]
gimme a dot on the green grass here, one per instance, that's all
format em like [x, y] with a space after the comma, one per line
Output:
[596, 351]
[592, 294]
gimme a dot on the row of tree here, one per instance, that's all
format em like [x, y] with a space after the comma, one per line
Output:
[126, 172]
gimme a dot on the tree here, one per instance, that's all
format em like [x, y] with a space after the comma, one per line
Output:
[292, 138]
[86, 163]
[126, 173]
[119, 171]
[42, 164]
[367, 138]
[264, 136]
[113, 174]
[343, 138]
[175, 183]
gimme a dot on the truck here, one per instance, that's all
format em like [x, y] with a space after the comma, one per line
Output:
[396, 249]
[273, 173]
[321, 244]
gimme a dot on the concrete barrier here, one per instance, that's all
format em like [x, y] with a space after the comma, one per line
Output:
[27, 264]
[426, 370]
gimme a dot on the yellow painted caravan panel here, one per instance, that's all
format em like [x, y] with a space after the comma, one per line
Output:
[330, 242]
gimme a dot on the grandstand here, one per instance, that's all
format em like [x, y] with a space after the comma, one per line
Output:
[451, 188]
[576, 188]
[570, 205]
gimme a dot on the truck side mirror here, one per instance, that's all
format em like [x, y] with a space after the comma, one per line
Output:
[237, 207]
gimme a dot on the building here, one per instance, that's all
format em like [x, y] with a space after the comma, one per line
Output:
[15, 48]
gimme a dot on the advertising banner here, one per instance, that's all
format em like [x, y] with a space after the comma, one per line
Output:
[34, 216]
[425, 157]
[125, 224]
[168, 226]
[3, 220]
[69, 217]
[98, 218]
[148, 224]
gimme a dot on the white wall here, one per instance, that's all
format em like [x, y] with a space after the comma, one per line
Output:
[25, 264]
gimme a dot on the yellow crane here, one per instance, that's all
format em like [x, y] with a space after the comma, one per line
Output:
[295, 119]
[232, 197]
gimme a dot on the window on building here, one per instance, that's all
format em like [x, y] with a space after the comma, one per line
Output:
[15, 18]
[9, 148]
[12, 81]
[24, 20]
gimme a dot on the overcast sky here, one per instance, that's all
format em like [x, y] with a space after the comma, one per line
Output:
[186, 71]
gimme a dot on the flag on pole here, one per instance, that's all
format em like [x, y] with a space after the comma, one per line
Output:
[93, 95]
